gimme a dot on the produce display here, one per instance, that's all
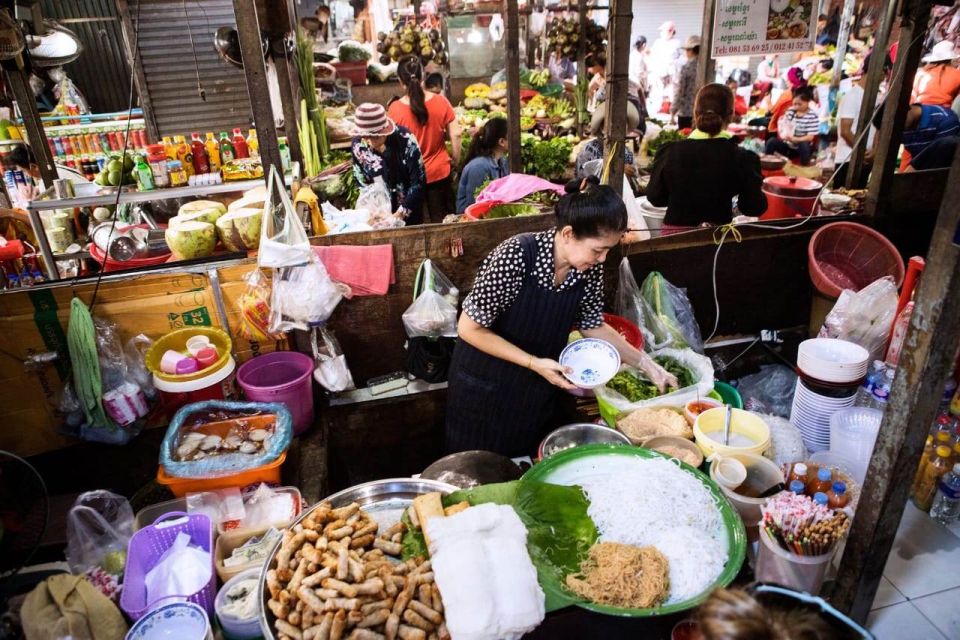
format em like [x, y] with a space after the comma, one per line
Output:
[239, 229]
[511, 210]
[117, 171]
[337, 571]
[548, 159]
[410, 38]
[564, 34]
[663, 138]
[634, 386]
[191, 239]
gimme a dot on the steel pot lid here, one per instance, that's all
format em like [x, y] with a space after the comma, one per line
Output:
[472, 468]
[792, 186]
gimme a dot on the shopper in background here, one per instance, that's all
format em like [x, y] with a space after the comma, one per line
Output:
[769, 69]
[639, 65]
[664, 61]
[593, 150]
[597, 90]
[432, 121]
[848, 124]
[434, 83]
[740, 107]
[938, 81]
[21, 158]
[485, 162]
[697, 178]
[381, 149]
[561, 67]
[796, 81]
[682, 108]
[801, 129]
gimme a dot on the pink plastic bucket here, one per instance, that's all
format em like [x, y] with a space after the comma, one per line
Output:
[281, 376]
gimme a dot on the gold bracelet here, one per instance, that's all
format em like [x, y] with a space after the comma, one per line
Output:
[530, 362]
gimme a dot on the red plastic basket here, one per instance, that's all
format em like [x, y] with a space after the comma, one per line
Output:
[625, 328]
[846, 255]
[478, 210]
[144, 551]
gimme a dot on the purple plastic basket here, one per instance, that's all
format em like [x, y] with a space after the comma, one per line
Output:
[143, 553]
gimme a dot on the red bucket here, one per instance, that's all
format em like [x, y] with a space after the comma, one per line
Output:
[789, 197]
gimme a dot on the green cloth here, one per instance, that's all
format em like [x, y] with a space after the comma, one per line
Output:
[66, 606]
[82, 343]
[696, 134]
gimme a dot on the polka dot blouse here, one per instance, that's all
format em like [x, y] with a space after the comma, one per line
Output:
[501, 277]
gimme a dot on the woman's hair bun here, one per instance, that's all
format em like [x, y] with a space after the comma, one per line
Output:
[581, 185]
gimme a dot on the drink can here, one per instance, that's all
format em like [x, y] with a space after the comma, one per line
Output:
[101, 163]
[135, 398]
[9, 179]
[117, 408]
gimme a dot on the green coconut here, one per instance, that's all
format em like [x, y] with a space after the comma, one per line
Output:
[239, 230]
[202, 211]
[191, 239]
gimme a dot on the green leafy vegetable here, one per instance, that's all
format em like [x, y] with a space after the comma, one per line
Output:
[511, 210]
[633, 387]
[545, 158]
[663, 138]
[684, 376]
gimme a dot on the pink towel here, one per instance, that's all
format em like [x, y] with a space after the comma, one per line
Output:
[368, 271]
[516, 186]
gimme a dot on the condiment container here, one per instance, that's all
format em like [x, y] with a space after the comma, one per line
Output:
[837, 496]
[206, 357]
[822, 484]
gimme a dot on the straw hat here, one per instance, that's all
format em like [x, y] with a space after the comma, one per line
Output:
[691, 43]
[370, 119]
[942, 52]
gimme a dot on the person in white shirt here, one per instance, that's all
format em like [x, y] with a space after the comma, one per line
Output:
[664, 65]
[639, 63]
[848, 125]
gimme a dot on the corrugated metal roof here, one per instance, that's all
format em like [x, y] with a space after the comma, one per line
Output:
[168, 66]
[101, 72]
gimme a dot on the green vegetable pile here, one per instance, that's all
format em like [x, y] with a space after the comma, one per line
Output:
[559, 531]
[548, 159]
[663, 138]
[635, 387]
[511, 210]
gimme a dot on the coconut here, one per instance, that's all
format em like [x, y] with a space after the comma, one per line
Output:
[252, 199]
[201, 211]
[191, 239]
[239, 230]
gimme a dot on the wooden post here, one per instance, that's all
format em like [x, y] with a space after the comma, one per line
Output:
[133, 59]
[928, 354]
[279, 21]
[36, 136]
[874, 78]
[251, 49]
[913, 24]
[512, 33]
[842, 39]
[706, 65]
[618, 87]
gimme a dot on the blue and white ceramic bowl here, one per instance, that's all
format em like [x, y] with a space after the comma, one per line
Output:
[593, 362]
[174, 621]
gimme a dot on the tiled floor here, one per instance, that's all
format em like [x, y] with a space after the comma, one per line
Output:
[919, 597]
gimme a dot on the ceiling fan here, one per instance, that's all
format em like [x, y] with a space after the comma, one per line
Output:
[49, 43]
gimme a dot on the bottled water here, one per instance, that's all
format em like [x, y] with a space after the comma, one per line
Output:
[946, 506]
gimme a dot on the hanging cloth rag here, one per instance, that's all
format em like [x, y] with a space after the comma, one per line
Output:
[82, 343]
[368, 271]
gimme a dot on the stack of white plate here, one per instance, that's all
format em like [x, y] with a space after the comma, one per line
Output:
[833, 361]
[830, 374]
[812, 411]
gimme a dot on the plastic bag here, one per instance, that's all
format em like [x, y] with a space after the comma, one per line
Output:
[303, 296]
[220, 506]
[669, 314]
[864, 317]
[283, 240]
[699, 365]
[629, 304]
[113, 365]
[375, 199]
[636, 224]
[786, 441]
[433, 313]
[254, 307]
[134, 354]
[330, 365]
[99, 526]
[769, 391]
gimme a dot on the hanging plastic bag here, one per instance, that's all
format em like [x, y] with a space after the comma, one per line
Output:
[303, 296]
[254, 307]
[99, 526]
[134, 354]
[864, 317]
[769, 391]
[669, 314]
[629, 304]
[433, 313]
[283, 240]
[375, 200]
[636, 223]
[331, 370]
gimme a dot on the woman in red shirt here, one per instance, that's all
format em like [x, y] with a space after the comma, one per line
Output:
[431, 120]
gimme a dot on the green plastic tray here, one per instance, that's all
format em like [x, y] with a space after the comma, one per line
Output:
[736, 534]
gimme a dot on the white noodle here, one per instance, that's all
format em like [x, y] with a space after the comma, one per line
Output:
[644, 502]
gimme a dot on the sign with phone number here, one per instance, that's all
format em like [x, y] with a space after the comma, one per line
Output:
[761, 27]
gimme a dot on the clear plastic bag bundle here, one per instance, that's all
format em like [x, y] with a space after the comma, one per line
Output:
[254, 308]
[864, 317]
[283, 240]
[669, 314]
[375, 198]
[433, 313]
[134, 354]
[769, 391]
[330, 365]
[629, 304]
[99, 526]
[303, 297]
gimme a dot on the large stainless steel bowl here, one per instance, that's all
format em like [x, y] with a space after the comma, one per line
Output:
[383, 500]
[574, 435]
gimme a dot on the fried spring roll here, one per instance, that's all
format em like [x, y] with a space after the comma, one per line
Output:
[288, 629]
[390, 548]
[348, 590]
[347, 604]
[339, 624]
[312, 600]
[337, 534]
[369, 528]
[278, 609]
[370, 588]
[365, 634]
[343, 568]
[426, 612]
[360, 542]
[414, 619]
[316, 578]
[347, 511]
[370, 607]
[374, 619]
[436, 602]
[424, 594]
[411, 633]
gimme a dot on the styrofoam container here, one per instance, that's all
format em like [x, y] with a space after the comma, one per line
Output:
[832, 360]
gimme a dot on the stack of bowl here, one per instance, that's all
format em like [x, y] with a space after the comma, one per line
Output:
[830, 372]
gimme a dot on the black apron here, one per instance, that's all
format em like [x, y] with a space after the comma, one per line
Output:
[498, 406]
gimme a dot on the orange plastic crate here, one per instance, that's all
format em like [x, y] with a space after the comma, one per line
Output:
[180, 487]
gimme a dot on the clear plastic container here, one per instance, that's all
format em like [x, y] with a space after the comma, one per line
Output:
[779, 566]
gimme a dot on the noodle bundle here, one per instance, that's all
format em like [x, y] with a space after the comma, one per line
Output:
[622, 576]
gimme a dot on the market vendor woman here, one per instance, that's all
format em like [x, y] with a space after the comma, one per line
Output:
[530, 292]
[382, 149]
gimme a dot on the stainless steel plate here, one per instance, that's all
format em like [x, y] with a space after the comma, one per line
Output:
[383, 500]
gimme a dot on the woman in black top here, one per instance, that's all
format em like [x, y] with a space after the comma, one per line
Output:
[697, 178]
[530, 292]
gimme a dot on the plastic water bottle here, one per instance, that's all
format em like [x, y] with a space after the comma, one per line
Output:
[946, 505]
[865, 393]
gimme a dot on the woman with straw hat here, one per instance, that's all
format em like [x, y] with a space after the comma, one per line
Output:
[382, 149]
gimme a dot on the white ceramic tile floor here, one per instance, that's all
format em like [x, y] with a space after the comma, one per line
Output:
[919, 594]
